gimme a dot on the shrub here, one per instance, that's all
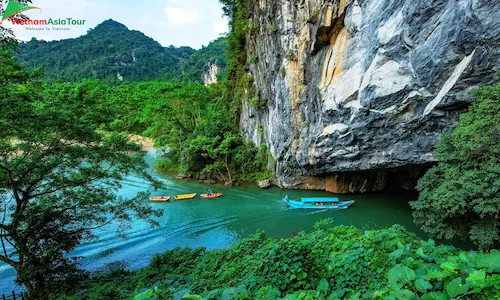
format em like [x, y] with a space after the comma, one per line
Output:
[328, 263]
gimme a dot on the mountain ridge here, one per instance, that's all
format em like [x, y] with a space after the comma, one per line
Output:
[113, 53]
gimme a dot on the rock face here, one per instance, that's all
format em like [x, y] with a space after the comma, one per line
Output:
[264, 184]
[210, 76]
[358, 91]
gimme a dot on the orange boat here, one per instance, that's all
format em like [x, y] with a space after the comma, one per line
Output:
[159, 199]
[217, 195]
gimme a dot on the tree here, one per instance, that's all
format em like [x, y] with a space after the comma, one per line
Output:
[219, 151]
[460, 197]
[58, 177]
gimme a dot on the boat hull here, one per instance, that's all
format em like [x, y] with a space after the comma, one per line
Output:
[184, 197]
[310, 205]
[206, 196]
[159, 199]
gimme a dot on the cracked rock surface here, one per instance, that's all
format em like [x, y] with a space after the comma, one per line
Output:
[363, 85]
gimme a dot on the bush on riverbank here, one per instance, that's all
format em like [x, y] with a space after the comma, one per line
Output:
[329, 263]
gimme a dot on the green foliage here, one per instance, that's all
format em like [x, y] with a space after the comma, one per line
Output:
[60, 172]
[257, 102]
[329, 263]
[283, 72]
[253, 59]
[460, 197]
[291, 55]
[198, 62]
[272, 28]
[111, 49]
[237, 79]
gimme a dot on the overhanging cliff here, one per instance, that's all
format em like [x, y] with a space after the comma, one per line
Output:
[354, 90]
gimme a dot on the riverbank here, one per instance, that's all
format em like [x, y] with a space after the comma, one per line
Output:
[146, 143]
[332, 262]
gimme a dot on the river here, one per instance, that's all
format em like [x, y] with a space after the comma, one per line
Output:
[218, 223]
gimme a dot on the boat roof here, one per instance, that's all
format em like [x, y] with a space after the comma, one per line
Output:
[320, 199]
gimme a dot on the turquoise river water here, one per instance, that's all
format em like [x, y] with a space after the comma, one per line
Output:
[218, 223]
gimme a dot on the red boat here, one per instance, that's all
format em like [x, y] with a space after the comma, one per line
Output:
[217, 195]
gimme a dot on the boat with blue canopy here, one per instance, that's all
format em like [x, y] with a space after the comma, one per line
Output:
[318, 203]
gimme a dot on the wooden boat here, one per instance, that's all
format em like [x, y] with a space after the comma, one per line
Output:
[159, 198]
[217, 195]
[184, 197]
[318, 203]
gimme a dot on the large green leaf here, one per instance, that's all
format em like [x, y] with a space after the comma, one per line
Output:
[476, 277]
[456, 287]
[404, 294]
[323, 286]
[489, 261]
[450, 266]
[396, 254]
[437, 274]
[434, 296]
[144, 295]
[401, 274]
[422, 285]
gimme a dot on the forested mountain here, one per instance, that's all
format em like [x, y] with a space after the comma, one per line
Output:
[111, 52]
[199, 62]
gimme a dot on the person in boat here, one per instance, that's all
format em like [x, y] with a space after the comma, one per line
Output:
[286, 198]
[209, 193]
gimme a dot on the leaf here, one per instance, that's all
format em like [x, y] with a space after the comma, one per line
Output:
[437, 274]
[323, 286]
[449, 266]
[434, 296]
[338, 293]
[463, 257]
[420, 252]
[489, 261]
[401, 274]
[476, 277]
[422, 285]
[191, 297]
[396, 254]
[146, 295]
[455, 287]
[293, 276]
[403, 294]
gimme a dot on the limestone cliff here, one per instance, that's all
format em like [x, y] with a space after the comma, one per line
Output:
[210, 76]
[357, 92]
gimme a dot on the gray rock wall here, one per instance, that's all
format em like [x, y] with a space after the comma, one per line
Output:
[363, 85]
[210, 76]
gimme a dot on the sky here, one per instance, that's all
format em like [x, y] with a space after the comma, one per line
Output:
[170, 22]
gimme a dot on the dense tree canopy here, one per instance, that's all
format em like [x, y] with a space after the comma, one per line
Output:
[112, 50]
[58, 175]
[460, 197]
[214, 53]
[193, 123]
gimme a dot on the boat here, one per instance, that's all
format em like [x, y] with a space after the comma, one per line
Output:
[318, 203]
[159, 198]
[184, 197]
[217, 195]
